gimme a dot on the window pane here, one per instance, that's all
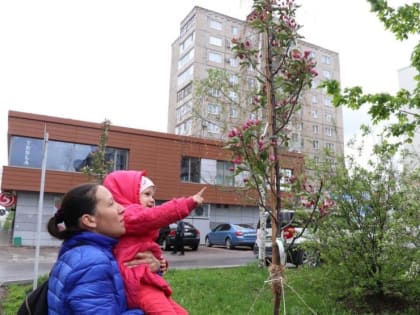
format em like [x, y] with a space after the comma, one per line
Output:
[62, 156]
[190, 169]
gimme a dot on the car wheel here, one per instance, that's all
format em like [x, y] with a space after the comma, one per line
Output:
[208, 244]
[165, 244]
[228, 244]
[195, 247]
[309, 258]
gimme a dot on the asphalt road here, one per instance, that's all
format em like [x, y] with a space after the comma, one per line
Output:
[17, 264]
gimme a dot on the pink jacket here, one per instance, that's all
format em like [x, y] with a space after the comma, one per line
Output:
[142, 228]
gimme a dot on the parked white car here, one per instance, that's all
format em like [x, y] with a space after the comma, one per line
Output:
[291, 253]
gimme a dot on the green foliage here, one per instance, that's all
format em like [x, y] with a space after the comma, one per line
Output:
[402, 21]
[369, 241]
[402, 109]
[99, 167]
[8, 222]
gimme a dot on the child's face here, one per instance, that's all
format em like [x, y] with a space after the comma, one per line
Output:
[147, 197]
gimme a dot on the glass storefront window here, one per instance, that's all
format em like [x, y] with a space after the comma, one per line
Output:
[62, 156]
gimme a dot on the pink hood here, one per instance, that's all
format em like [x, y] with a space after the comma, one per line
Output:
[125, 186]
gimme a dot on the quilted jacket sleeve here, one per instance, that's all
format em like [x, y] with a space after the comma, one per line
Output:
[137, 217]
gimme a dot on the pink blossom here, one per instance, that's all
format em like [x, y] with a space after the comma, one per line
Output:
[313, 72]
[237, 160]
[308, 188]
[292, 179]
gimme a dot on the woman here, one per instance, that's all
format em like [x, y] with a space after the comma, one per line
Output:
[85, 279]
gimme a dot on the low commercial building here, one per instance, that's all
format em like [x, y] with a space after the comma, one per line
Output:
[178, 165]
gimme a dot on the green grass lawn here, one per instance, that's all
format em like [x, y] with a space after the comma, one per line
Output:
[243, 290]
[240, 290]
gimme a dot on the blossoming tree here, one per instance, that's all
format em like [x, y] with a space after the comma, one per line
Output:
[283, 71]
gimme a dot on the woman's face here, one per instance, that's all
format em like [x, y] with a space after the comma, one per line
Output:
[108, 216]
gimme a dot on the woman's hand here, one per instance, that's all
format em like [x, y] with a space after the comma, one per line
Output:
[163, 265]
[145, 258]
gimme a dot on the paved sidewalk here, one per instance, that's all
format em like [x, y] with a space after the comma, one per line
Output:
[17, 264]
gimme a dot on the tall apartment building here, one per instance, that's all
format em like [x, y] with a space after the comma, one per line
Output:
[204, 43]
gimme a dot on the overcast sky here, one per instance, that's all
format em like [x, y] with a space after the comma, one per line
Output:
[96, 59]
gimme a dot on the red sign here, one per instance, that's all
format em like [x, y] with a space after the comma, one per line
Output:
[7, 199]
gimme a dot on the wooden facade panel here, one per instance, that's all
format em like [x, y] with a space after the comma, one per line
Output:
[27, 179]
[158, 153]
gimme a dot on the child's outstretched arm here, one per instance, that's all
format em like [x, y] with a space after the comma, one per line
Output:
[138, 219]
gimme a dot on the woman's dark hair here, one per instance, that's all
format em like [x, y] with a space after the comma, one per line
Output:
[76, 202]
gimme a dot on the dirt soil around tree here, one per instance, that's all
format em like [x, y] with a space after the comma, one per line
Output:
[379, 304]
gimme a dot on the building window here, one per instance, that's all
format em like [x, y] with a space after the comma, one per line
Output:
[188, 25]
[215, 57]
[315, 144]
[233, 79]
[286, 174]
[328, 117]
[326, 74]
[184, 92]
[184, 111]
[314, 99]
[312, 55]
[252, 115]
[327, 101]
[216, 41]
[329, 131]
[62, 156]
[184, 129]
[233, 112]
[213, 109]
[233, 62]
[326, 59]
[215, 25]
[330, 146]
[214, 92]
[187, 43]
[314, 113]
[235, 30]
[224, 173]
[186, 59]
[185, 76]
[233, 96]
[251, 83]
[213, 128]
[315, 129]
[190, 169]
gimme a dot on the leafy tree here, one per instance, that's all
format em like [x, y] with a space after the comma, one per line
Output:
[230, 97]
[403, 108]
[370, 239]
[98, 166]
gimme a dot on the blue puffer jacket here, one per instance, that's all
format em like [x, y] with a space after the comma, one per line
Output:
[86, 280]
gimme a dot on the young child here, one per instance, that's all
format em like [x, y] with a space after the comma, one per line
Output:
[134, 191]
